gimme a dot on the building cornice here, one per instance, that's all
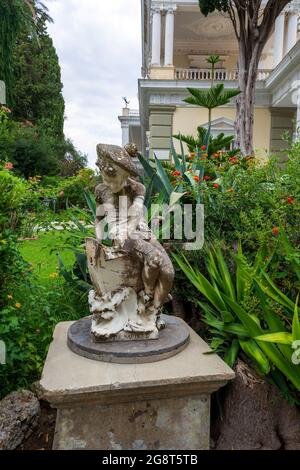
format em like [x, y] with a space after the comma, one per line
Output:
[287, 65]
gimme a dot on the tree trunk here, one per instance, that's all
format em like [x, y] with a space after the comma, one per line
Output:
[253, 27]
[255, 416]
[248, 69]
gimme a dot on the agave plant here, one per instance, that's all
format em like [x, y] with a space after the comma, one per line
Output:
[264, 338]
[213, 144]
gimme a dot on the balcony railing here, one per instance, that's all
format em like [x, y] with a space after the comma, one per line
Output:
[219, 74]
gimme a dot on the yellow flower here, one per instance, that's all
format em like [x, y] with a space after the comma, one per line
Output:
[18, 305]
[10, 297]
[53, 275]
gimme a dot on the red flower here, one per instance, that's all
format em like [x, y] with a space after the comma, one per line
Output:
[234, 160]
[203, 148]
[275, 231]
[290, 200]
[216, 186]
[206, 178]
[176, 173]
[217, 155]
[196, 178]
[8, 166]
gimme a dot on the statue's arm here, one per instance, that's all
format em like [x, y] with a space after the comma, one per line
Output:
[101, 212]
[136, 211]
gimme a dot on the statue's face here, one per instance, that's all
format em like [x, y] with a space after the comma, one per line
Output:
[114, 176]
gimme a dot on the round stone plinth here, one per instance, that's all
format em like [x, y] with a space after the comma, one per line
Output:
[172, 340]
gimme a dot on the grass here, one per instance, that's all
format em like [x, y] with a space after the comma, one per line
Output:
[42, 253]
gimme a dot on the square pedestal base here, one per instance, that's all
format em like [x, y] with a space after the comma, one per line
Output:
[162, 405]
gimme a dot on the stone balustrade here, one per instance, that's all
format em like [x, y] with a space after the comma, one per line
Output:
[218, 75]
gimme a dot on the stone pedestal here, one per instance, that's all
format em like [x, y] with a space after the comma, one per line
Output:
[160, 405]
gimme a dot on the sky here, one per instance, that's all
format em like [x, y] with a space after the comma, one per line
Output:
[98, 43]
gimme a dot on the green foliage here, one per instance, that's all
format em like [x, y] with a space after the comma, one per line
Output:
[215, 97]
[215, 144]
[37, 82]
[209, 6]
[26, 327]
[34, 152]
[33, 306]
[210, 99]
[235, 325]
[31, 152]
[12, 266]
[13, 15]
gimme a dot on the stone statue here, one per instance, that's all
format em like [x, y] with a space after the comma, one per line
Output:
[133, 277]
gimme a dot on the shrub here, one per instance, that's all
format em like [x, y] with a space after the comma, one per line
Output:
[12, 266]
[26, 327]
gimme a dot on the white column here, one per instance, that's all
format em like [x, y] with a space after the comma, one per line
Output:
[292, 31]
[279, 39]
[125, 133]
[169, 37]
[156, 36]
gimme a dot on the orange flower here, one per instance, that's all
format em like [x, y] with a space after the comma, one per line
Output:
[234, 160]
[196, 178]
[275, 231]
[230, 190]
[216, 155]
[18, 305]
[192, 155]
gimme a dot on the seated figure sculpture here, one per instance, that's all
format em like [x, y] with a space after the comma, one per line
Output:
[132, 277]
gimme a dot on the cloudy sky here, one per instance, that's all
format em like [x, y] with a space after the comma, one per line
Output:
[99, 47]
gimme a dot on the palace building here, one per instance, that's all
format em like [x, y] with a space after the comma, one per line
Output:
[176, 42]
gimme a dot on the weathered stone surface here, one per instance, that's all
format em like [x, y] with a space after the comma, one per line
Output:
[159, 405]
[180, 423]
[19, 415]
[256, 416]
[172, 340]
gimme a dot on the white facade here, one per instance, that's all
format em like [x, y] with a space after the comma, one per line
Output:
[176, 41]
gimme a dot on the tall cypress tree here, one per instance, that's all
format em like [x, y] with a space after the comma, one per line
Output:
[37, 88]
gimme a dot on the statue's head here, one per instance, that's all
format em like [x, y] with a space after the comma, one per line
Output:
[116, 165]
